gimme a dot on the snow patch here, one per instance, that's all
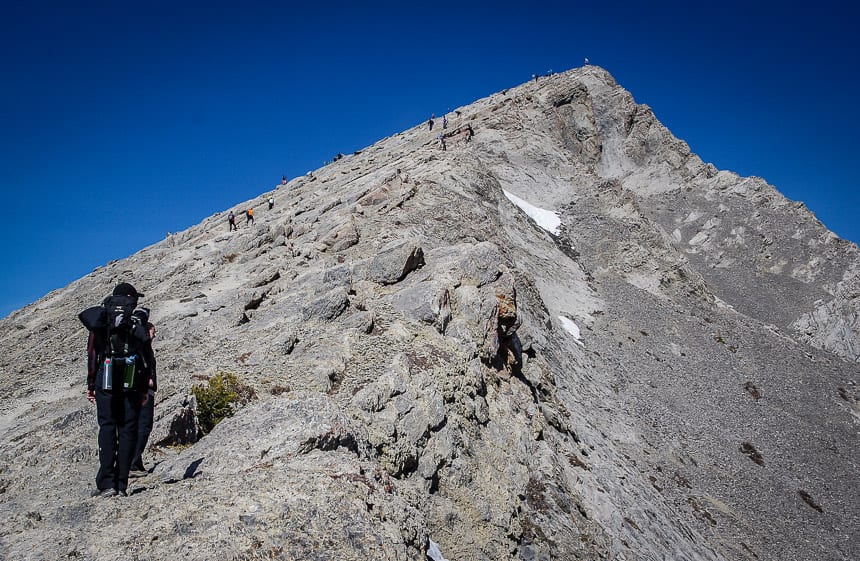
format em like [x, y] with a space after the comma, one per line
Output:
[433, 551]
[571, 328]
[546, 219]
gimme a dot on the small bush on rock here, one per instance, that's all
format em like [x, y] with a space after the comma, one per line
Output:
[220, 398]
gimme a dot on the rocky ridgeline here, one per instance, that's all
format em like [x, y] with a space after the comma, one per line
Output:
[568, 338]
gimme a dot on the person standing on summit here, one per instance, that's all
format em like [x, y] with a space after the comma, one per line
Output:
[118, 351]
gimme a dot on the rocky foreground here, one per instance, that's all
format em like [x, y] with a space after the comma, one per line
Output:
[565, 338]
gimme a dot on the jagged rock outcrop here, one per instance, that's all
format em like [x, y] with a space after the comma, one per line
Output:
[566, 337]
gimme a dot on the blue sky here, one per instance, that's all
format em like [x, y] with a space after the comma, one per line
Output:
[123, 120]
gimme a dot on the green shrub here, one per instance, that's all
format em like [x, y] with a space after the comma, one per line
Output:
[223, 395]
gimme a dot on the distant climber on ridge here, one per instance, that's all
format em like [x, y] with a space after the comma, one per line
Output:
[271, 202]
[249, 216]
[430, 122]
[231, 220]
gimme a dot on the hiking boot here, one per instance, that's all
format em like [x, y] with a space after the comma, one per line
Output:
[138, 473]
[122, 493]
[104, 493]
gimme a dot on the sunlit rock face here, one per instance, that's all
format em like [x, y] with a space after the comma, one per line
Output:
[562, 337]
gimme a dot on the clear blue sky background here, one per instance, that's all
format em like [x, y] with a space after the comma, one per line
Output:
[164, 113]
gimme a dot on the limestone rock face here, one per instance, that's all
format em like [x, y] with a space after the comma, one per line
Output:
[395, 261]
[566, 337]
[835, 324]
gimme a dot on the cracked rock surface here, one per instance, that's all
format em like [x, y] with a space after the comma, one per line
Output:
[668, 370]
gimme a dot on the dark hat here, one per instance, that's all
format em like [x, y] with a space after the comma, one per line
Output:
[125, 289]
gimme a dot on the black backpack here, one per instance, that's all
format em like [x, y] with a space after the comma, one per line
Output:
[126, 327]
[120, 323]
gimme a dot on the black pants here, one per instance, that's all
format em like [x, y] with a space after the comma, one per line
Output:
[144, 427]
[118, 412]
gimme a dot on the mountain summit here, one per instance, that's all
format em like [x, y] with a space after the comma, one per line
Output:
[563, 336]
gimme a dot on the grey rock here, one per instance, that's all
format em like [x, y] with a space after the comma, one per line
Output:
[328, 306]
[287, 339]
[342, 237]
[361, 321]
[583, 394]
[834, 324]
[394, 261]
[175, 422]
[477, 264]
[427, 302]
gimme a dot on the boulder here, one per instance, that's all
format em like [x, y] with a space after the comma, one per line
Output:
[426, 302]
[394, 261]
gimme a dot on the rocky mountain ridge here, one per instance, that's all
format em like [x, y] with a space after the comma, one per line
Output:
[565, 337]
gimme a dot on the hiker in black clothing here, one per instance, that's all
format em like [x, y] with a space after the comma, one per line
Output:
[470, 132]
[147, 410]
[117, 381]
[430, 123]
[231, 219]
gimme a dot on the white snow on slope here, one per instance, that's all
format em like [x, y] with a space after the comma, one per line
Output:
[434, 553]
[546, 219]
[571, 328]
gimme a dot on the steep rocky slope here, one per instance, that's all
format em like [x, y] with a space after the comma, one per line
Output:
[568, 338]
